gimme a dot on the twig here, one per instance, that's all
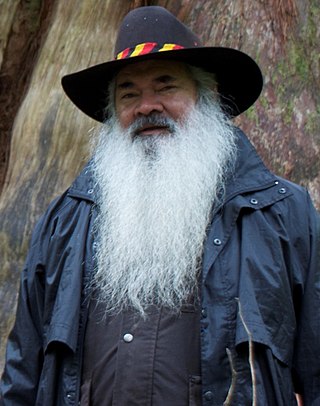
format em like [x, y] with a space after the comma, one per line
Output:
[228, 400]
[251, 356]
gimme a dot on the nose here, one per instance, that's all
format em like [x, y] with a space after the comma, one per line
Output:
[148, 103]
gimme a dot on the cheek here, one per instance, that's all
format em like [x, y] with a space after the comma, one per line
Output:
[181, 108]
[125, 117]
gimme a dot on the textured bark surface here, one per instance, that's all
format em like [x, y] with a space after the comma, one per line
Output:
[45, 139]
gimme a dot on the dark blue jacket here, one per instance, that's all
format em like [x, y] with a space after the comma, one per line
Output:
[260, 296]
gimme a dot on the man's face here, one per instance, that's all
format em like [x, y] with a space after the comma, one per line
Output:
[163, 87]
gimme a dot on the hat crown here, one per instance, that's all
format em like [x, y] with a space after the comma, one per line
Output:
[153, 24]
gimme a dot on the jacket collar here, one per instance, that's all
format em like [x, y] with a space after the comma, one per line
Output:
[84, 186]
[250, 173]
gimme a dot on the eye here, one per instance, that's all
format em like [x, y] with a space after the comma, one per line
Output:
[167, 88]
[128, 96]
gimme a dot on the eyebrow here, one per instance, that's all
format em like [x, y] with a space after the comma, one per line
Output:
[125, 85]
[165, 79]
[160, 79]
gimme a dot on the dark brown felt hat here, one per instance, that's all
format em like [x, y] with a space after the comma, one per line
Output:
[154, 33]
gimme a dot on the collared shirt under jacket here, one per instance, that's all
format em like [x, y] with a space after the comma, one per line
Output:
[260, 287]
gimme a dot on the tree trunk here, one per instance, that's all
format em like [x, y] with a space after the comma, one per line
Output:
[45, 139]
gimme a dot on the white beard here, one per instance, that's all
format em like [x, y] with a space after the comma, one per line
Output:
[156, 197]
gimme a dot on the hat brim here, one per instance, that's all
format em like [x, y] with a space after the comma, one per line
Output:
[239, 78]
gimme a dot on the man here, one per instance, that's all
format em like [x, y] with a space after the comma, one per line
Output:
[176, 270]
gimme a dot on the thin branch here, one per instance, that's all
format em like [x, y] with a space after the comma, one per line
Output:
[251, 356]
[228, 400]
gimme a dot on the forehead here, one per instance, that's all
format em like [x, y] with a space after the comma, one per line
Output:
[152, 69]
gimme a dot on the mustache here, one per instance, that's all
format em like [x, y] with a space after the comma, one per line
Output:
[152, 120]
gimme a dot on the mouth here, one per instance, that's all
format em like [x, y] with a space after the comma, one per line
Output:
[149, 130]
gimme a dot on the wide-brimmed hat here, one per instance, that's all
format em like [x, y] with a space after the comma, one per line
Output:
[152, 32]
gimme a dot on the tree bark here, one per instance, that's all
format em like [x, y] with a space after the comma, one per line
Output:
[45, 139]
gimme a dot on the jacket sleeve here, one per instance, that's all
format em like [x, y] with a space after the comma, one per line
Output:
[307, 349]
[24, 355]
